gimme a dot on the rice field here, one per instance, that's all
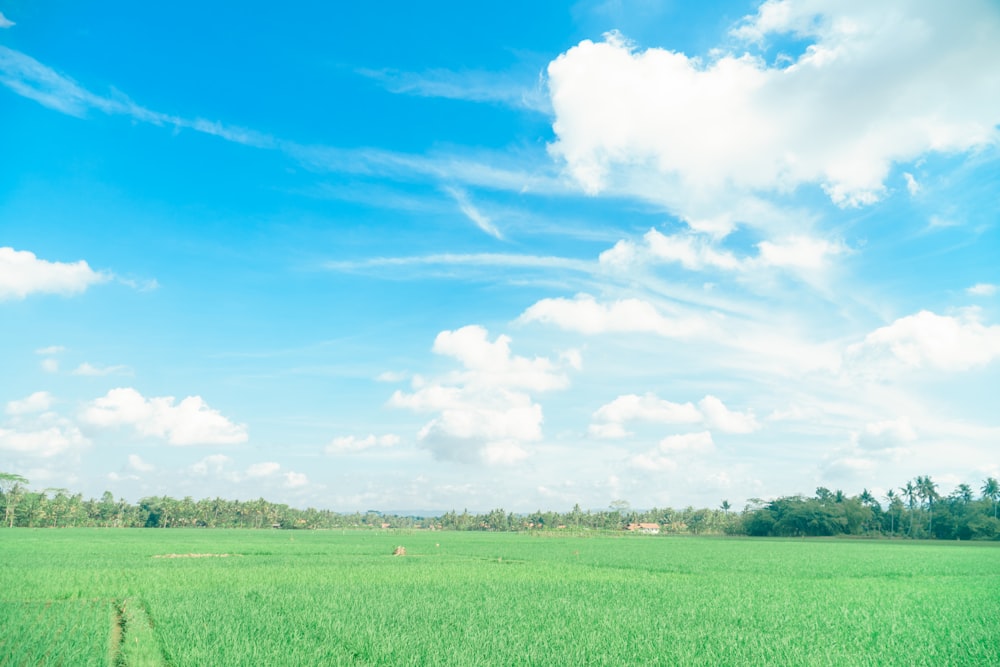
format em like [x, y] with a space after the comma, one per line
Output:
[213, 597]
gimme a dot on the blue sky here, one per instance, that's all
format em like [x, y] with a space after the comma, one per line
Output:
[517, 256]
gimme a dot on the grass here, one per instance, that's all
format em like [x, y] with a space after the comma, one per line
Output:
[333, 598]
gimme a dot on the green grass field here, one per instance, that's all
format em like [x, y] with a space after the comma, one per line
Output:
[109, 597]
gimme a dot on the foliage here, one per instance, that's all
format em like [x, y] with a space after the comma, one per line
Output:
[916, 511]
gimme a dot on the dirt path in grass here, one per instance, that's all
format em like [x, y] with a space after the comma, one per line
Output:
[133, 642]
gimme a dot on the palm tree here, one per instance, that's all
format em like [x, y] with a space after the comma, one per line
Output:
[991, 490]
[910, 493]
[11, 485]
[927, 490]
[891, 498]
[725, 507]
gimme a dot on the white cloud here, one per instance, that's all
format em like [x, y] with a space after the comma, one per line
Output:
[511, 89]
[484, 411]
[350, 444]
[647, 408]
[87, 369]
[688, 443]
[22, 273]
[189, 422]
[5, 22]
[887, 434]
[928, 340]
[43, 441]
[912, 186]
[50, 350]
[474, 214]
[699, 252]
[491, 364]
[294, 480]
[265, 469]
[798, 252]
[40, 401]
[136, 463]
[214, 463]
[586, 315]
[671, 448]
[50, 365]
[610, 419]
[719, 417]
[702, 136]
[982, 289]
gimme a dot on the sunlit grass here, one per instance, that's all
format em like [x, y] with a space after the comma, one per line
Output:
[307, 598]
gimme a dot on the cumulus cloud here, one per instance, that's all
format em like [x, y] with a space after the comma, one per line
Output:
[700, 252]
[483, 412]
[349, 444]
[43, 440]
[40, 401]
[665, 457]
[717, 416]
[586, 315]
[610, 419]
[189, 422]
[931, 341]
[211, 464]
[136, 463]
[22, 273]
[982, 289]
[887, 434]
[703, 136]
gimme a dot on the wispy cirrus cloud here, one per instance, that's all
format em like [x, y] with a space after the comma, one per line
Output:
[518, 90]
[473, 213]
[34, 80]
[31, 79]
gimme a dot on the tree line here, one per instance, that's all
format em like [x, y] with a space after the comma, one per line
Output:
[916, 510]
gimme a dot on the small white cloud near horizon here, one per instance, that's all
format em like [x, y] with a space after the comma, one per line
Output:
[887, 434]
[190, 422]
[40, 401]
[350, 444]
[982, 289]
[136, 463]
[23, 274]
[46, 439]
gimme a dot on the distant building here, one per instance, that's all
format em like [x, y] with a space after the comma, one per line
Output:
[645, 528]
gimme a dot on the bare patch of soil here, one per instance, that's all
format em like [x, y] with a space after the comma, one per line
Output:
[193, 555]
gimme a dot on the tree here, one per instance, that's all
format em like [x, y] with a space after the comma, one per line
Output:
[910, 493]
[725, 507]
[991, 491]
[10, 487]
[927, 490]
